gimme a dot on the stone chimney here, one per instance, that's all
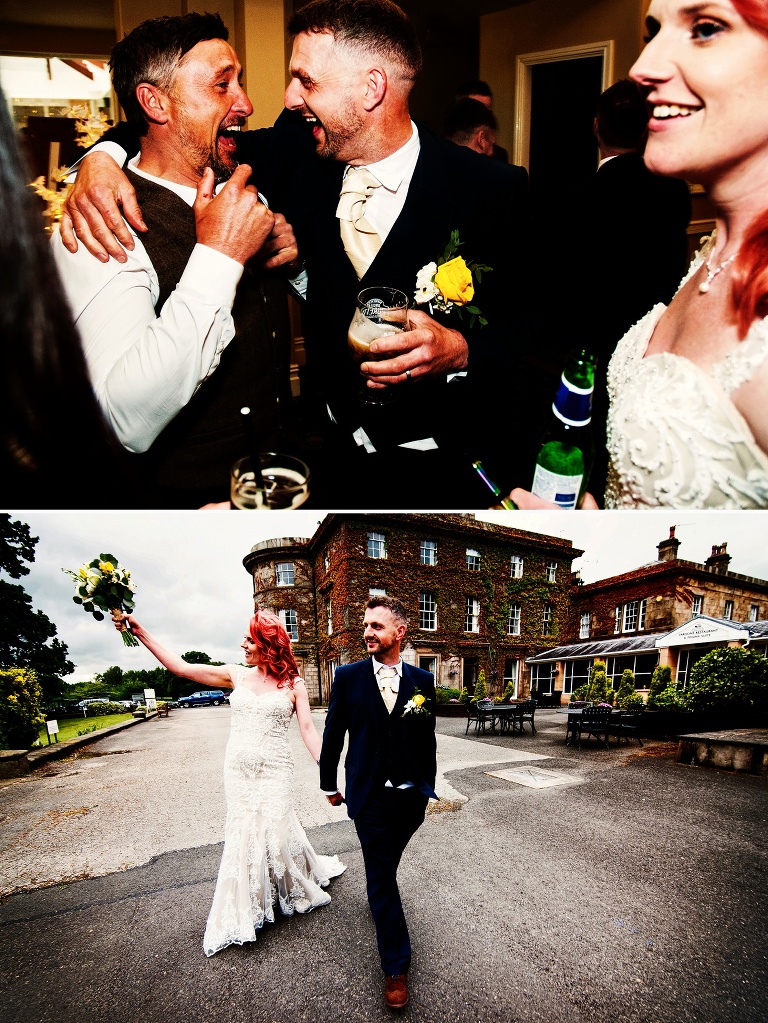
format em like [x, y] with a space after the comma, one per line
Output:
[668, 548]
[718, 560]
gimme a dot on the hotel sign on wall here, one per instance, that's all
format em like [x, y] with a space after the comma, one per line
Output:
[703, 630]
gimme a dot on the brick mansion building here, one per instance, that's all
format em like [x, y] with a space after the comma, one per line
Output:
[481, 596]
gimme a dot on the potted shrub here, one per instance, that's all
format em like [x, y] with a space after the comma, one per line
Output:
[626, 695]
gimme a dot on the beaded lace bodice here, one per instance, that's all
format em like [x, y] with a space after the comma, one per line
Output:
[267, 861]
[258, 748]
[675, 438]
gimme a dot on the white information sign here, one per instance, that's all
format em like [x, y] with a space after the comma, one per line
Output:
[149, 699]
[52, 726]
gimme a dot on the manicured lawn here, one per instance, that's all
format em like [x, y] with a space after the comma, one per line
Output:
[70, 728]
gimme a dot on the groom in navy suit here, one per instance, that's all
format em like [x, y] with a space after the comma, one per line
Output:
[458, 387]
[388, 709]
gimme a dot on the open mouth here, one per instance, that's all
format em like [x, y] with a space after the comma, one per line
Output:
[227, 137]
[668, 111]
[314, 123]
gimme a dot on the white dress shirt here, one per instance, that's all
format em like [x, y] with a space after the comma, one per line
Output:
[394, 173]
[146, 367]
[394, 683]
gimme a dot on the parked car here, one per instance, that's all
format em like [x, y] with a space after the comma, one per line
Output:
[204, 697]
[98, 699]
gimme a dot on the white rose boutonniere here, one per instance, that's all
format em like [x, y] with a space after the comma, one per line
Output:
[416, 704]
[450, 282]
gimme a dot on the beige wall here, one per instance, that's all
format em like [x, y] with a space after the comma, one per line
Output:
[548, 25]
[257, 32]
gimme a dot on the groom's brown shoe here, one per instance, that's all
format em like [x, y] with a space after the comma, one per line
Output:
[396, 991]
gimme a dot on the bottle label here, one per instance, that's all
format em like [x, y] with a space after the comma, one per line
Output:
[573, 405]
[551, 486]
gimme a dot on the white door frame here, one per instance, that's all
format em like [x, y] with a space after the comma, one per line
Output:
[524, 63]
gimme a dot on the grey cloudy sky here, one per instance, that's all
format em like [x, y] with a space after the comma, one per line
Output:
[194, 593]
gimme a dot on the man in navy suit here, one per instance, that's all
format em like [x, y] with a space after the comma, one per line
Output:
[459, 392]
[461, 395]
[388, 709]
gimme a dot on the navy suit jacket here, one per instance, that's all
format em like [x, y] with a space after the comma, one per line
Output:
[452, 189]
[380, 744]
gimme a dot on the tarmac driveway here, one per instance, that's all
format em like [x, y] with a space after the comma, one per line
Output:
[578, 887]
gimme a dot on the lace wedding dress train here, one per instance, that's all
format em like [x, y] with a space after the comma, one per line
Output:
[267, 859]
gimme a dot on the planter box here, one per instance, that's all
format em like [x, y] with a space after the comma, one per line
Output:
[670, 724]
[450, 710]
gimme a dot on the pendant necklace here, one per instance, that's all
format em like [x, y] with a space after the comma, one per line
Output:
[711, 274]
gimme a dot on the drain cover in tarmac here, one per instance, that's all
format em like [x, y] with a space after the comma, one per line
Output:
[534, 777]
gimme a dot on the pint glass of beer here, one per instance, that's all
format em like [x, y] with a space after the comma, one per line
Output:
[379, 311]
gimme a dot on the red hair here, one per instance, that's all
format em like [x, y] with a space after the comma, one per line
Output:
[273, 645]
[750, 268]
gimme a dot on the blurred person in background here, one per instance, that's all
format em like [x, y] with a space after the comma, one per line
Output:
[57, 450]
[473, 125]
[481, 92]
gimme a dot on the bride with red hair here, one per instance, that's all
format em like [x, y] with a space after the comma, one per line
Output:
[688, 425]
[268, 861]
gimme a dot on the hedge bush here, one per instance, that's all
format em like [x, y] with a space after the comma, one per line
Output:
[20, 699]
[733, 679]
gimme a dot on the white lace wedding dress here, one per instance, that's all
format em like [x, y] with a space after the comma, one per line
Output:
[675, 438]
[267, 861]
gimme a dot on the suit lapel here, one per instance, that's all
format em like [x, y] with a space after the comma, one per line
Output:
[419, 234]
[407, 688]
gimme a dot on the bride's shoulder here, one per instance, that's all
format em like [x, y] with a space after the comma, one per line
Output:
[239, 673]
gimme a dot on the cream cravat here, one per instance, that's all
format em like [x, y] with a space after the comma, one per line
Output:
[361, 241]
[386, 677]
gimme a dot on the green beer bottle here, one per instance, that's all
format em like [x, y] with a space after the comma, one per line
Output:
[567, 449]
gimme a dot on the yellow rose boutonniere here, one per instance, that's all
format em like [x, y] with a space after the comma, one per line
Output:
[454, 281]
[416, 704]
[450, 283]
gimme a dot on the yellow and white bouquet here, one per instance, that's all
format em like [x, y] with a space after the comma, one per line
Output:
[105, 585]
[450, 282]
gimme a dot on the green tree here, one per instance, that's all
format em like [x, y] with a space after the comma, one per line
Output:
[731, 679]
[16, 547]
[599, 689]
[481, 687]
[198, 657]
[20, 717]
[111, 681]
[661, 680]
[509, 692]
[160, 679]
[626, 694]
[27, 637]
